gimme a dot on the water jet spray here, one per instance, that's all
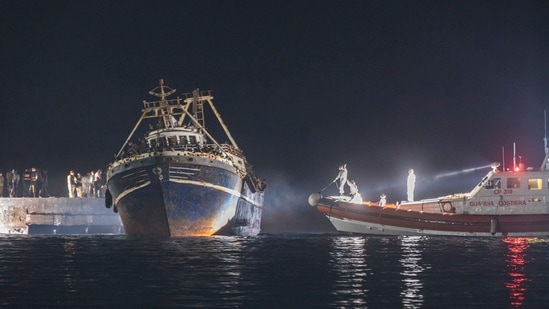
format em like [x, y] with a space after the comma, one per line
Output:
[467, 170]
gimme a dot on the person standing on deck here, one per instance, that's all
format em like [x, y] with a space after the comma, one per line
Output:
[342, 178]
[382, 200]
[356, 198]
[411, 185]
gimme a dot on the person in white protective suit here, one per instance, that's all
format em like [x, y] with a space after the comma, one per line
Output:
[411, 185]
[356, 198]
[342, 178]
[382, 200]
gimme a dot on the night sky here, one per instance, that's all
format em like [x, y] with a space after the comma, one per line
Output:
[304, 86]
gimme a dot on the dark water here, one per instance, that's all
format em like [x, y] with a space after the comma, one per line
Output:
[274, 271]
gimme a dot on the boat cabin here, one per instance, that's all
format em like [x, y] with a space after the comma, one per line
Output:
[522, 186]
[175, 138]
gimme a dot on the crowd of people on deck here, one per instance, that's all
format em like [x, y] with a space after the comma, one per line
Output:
[33, 182]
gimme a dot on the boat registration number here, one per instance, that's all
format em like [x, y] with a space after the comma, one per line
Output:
[504, 191]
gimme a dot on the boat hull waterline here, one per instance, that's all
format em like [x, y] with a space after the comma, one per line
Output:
[368, 218]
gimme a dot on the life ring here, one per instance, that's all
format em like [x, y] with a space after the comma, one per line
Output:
[447, 207]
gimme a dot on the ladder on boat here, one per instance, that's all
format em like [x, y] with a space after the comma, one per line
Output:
[198, 108]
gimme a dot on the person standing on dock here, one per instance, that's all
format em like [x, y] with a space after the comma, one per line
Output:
[91, 180]
[342, 178]
[411, 185]
[1, 184]
[26, 182]
[9, 182]
[13, 181]
[44, 185]
[71, 184]
[34, 179]
[78, 185]
[98, 183]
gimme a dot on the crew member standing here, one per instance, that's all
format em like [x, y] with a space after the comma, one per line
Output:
[411, 185]
[382, 200]
[356, 198]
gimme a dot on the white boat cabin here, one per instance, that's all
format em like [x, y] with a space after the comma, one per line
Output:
[513, 188]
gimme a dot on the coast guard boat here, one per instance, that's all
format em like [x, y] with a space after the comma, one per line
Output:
[503, 203]
[177, 180]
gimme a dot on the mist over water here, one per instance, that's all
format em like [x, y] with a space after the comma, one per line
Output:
[286, 210]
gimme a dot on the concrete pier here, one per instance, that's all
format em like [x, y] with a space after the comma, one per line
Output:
[63, 216]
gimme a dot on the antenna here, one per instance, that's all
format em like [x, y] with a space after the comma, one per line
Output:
[545, 163]
[545, 130]
[503, 156]
[514, 156]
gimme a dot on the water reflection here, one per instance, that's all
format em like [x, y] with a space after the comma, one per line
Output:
[348, 260]
[70, 271]
[192, 260]
[412, 251]
[515, 264]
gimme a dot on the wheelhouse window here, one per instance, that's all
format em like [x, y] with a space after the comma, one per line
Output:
[513, 183]
[534, 184]
[172, 140]
[494, 183]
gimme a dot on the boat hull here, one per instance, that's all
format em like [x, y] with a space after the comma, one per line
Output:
[171, 196]
[369, 218]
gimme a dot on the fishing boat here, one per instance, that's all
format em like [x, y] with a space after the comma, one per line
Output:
[175, 179]
[504, 203]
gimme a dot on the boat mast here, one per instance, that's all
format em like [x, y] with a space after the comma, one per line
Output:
[503, 156]
[152, 108]
[198, 118]
[223, 125]
[545, 164]
[164, 106]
